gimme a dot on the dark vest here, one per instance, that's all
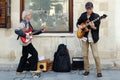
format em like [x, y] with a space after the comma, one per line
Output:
[95, 33]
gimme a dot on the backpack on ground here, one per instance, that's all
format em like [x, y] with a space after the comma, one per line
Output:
[61, 61]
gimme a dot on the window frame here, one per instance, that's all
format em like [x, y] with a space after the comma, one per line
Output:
[70, 17]
[7, 17]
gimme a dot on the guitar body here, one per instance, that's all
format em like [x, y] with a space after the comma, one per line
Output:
[30, 33]
[24, 39]
[81, 33]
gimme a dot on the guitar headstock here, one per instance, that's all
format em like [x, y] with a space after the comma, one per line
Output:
[103, 16]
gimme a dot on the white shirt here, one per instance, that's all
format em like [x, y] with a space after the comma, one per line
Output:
[90, 39]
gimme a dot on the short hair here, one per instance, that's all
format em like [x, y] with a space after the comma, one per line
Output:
[24, 14]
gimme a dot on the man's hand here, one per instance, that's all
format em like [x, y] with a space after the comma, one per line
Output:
[79, 27]
[44, 29]
[93, 25]
[27, 36]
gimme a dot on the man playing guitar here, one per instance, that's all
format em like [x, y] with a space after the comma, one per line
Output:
[27, 47]
[90, 38]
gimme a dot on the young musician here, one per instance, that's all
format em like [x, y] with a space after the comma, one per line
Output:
[90, 38]
[27, 48]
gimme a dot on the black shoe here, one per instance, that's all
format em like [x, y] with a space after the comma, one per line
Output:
[99, 74]
[86, 73]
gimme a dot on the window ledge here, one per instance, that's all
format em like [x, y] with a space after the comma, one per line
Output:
[56, 35]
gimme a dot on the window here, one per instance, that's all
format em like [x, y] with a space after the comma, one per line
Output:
[56, 14]
[5, 9]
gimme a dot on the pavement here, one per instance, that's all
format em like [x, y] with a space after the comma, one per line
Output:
[50, 75]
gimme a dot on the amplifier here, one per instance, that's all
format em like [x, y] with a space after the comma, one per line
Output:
[77, 63]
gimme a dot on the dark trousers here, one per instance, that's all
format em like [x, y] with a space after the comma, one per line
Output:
[32, 61]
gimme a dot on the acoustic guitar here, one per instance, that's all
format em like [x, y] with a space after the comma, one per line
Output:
[81, 32]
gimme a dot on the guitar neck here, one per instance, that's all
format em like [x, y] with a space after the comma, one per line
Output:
[96, 19]
[92, 21]
[35, 32]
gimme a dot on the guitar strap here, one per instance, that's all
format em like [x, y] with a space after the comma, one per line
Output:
[30, 25]
[18, 37]
[24, 21]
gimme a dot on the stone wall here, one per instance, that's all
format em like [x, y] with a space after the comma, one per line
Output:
[10, 50]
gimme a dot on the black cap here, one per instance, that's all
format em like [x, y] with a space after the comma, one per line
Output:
[89, 5]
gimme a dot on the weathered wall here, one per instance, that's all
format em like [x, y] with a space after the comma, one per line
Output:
[109, 49]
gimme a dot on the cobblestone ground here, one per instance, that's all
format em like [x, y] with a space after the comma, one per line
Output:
[73, 75]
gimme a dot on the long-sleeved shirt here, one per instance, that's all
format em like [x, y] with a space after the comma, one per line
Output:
[24, 26]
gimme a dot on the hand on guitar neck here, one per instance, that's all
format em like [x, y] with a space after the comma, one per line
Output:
[44, 29]
[93, 25]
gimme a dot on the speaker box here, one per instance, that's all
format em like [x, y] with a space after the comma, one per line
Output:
[46, 63]
[77, 63]
[42, 66]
